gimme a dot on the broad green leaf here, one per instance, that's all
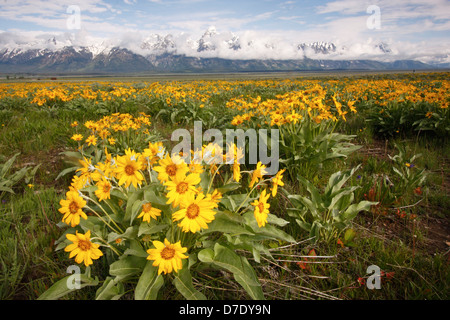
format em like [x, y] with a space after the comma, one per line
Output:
[127, 267]
[135, 249]
[119, 194]
[130, 233]
[354, 209]
[337, 196]
[150, 196]
[6, 189]
[92, 223]
[19, 175]
[135, 210]
[315, 194]
[149, 283]
[110, 290]
[35, 169]
[273, 219]
[66, 171]
[304, 225]
[238, 200]
[312, 206]
[349, 235]
[223, 224]
[242, 271]
[151, 228]
[206, 255]
[270, 231]
[132, 199]
[62, 287]
[256, 255]
[338, 179]
[315, 230]
[183, 282]
[229, 187]
[8, 164]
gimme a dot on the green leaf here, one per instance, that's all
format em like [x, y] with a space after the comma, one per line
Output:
[135, 210]
[8, 164]
[183, 282]
[135, 249]
[229, 187]
[273, 219]
[110, 290]
[149, 283]
[232, 202]
[127, 267]
[241, 269]
[256, 255]
[18, 175]
[151, 228]
[338, 179]
[130, 233]
[66, 171]
[33, 172]
[349, 235]
[61, 288]
[271, 232]
[337, 196]
[150, 196]
[304, 225]
[6, 189]
[130, 208]
[315, 194]
[354, 209]
[312, 206]
[119, 194]
[223, 223]
[206, 255]
[93, 224]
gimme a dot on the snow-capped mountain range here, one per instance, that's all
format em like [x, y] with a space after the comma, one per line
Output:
[213, 51]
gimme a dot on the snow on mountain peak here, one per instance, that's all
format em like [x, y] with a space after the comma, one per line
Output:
[210, 44]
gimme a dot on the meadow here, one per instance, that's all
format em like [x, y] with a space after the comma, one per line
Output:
[88, 183]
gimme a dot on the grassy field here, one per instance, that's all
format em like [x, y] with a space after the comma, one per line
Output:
[401, 126]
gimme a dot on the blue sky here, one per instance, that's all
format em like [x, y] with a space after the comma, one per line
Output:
[163, 15]
[411, 23]
[106, 17]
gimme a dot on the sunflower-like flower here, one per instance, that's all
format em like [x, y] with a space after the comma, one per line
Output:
[293, 117]
[77, 137]
[86, 168]
[103, 191]
[169, 167]
[168, 256]
[212, 154]
[128, 169]
[79, 182]
[112, 141]
[148, 212]
[152, 152]
[258, 173]
[261, 210]
[216, 196]
[234, 156]
[276, 181]
[82, 248]
[181, 186]
[71, 208]
[196, 212]
[195, 164]
[91, 140]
